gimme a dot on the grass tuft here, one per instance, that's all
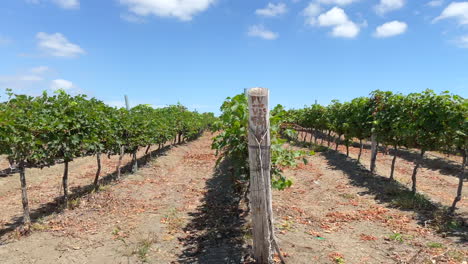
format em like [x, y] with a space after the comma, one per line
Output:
[435, 245]
[407, 200]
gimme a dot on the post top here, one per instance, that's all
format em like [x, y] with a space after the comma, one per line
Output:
[258, 91]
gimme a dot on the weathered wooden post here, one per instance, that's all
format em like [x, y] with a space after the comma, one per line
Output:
[260, 182]
[374, 146]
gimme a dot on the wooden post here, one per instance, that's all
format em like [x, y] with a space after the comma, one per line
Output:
[260, 182]
[24, 197]
[127, 104]
[374, 146]
[65, 184]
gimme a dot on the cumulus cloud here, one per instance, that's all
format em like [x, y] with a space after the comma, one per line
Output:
[261, 32]
[386, 6]
[342, 25]
[272, 10]
[333, 17]
[435, 3]
[390, 29]
[61, 84]
[67, 4]
[337, 2]
[457, 11]
[184, 10]
[347, 30]
[57, 45]
[311, 12]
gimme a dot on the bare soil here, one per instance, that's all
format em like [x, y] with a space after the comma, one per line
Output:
[180, 208]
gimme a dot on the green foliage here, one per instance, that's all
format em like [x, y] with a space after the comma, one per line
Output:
[397, 237]
[423, 120]
[435, 245]
[39, 131]
[339, 260]
[409, 200]
[232, 140]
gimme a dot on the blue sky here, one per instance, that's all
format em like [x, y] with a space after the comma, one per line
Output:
[198, 52]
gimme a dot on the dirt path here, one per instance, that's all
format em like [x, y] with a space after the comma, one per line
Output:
[45, 187]
[437, 176]
[334, 213]
[180, 209]
[176, 209]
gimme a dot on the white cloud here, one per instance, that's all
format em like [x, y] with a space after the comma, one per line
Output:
[132, 18]
[455, 10]
[342, 25]
[40, 69]
[389, 5]
[30, 78]
[435, 3]
[311, 12]
[333, 17]
[462, 42]
[67, 4]
[337, 2]
[57, 45]
[346, 30]
[61, 84]
[272, 10]
[390, 29]
[261, 32]
[181, 9]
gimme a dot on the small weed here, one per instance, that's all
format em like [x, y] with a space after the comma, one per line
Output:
[39, 226]
[443, 221]
[456, 255]
[173, 221]
[435, 245]
[144, 246]
[103, 188]
[319, 148]
[396, 237]
[287, 225]
[391, 190]
[247, 234]
[74, 203]
[454, 224]
[339, 260]
[408, 200]
[348, 196]
[116, 231]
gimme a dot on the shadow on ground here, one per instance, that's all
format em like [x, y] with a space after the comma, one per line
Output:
[56, 206]
[394, 194]
[443, 166]
[216, 232]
